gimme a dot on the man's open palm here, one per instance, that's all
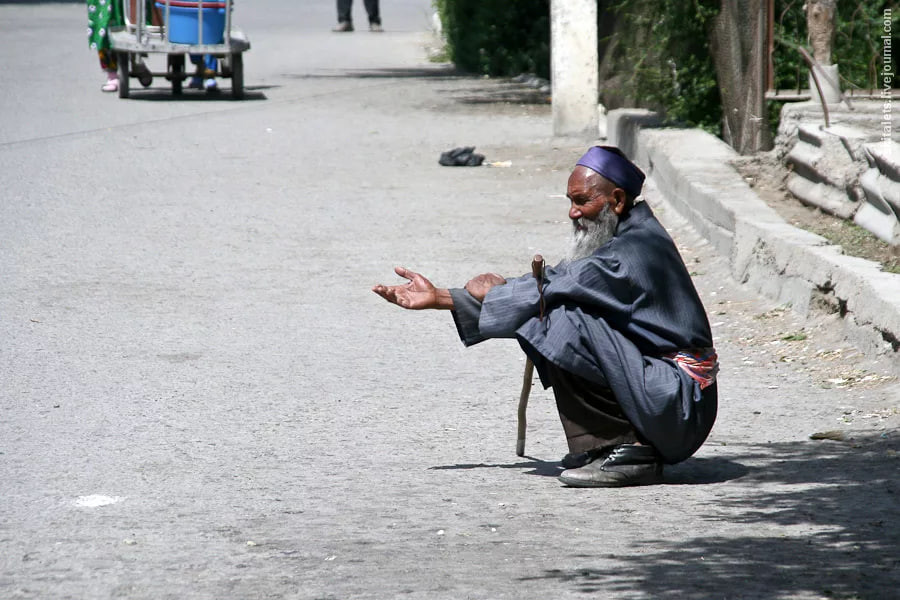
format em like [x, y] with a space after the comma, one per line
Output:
[418, 294]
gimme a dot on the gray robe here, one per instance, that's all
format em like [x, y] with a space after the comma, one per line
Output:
[610, 318]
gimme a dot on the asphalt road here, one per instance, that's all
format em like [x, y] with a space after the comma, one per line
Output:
[201, 398]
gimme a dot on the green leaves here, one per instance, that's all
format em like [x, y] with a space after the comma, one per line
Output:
[498, 37]
[857, 49]
[672, 67]
[659, 52]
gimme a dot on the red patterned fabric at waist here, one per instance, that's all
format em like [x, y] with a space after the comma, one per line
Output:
[702, 364]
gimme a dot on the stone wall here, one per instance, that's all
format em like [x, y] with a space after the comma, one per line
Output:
[846, 169]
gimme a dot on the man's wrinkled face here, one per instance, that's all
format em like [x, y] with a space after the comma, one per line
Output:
[593, 218]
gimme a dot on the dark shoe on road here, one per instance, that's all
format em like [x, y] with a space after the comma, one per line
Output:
[343, 27]
[376, 27]
[628, 464]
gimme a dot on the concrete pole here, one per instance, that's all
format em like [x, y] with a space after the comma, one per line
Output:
[574, 67]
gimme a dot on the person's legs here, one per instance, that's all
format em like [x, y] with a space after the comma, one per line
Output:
[101, 15]
[197, 80]
[591, 417]
[344, 11]
[206, 64]
[108, 60]
[605, 448]
[211, 65]
[372, 10]
[109, 64]
[205, 74]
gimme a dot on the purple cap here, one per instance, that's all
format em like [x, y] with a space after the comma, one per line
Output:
[612, 163]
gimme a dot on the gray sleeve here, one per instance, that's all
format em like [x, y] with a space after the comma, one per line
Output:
[508, 307]
[505, 309]
[466, 312]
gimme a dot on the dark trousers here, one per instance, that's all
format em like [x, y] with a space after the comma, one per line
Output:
[590, 415]
[344, 6]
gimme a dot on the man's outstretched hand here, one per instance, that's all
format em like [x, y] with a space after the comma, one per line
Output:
[418, 294]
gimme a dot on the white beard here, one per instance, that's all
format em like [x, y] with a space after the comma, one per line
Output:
[589, 234]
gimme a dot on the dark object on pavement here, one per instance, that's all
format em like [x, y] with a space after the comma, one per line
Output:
[627, 464]
[837, 436]
[461, 157]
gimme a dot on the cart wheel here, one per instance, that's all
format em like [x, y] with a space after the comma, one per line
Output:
[144, 76]
[237, 76]
[176, 72]
[124, 74]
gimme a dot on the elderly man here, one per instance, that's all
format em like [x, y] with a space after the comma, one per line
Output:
[625, 342]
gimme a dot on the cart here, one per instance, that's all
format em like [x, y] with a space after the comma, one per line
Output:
[141, 36]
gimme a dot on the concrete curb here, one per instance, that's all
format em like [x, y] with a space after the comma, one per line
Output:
[785, 263]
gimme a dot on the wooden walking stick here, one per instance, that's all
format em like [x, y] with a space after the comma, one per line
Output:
[537, 269]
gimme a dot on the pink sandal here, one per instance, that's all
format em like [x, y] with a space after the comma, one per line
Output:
[112, 83]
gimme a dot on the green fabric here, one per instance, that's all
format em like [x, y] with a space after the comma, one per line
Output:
[103, 14]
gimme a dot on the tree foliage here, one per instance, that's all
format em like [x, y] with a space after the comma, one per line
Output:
[667, 57]
[656, 53]
[857, 49]
[498, 37]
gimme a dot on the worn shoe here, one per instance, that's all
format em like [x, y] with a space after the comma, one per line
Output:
[343, 27]
[627, 464]
[210, 85]
[578, 460]
[376, 27]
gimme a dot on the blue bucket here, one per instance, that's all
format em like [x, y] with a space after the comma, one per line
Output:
[182, 24]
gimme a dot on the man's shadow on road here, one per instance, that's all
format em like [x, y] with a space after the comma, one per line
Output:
[694, 471]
